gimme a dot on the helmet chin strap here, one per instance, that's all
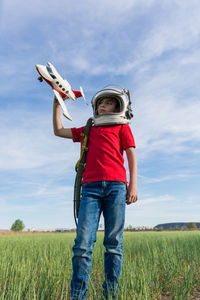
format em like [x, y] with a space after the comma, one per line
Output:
[109, 119]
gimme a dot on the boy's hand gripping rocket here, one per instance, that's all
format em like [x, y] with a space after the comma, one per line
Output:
[60, 86]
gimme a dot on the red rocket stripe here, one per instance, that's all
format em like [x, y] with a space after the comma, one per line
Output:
[62, 94]
[77, 94]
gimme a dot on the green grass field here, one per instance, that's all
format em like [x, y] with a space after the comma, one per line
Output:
[157, 265]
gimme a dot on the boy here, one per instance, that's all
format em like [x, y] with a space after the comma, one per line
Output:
[103, 187]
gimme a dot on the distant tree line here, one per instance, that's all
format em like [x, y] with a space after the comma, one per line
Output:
[166, 226]
[18, 225]
[178, 226]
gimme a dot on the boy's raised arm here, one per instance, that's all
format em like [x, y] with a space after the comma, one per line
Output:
[58, 128]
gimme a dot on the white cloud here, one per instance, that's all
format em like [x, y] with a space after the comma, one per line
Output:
[67, 13]
[109, 41]
[156, 210]
[170, 26]
[156, 200]
[177, 26]
[166, 126]
[165, 178]
[167, 105]
[46, 195]
[28, 142]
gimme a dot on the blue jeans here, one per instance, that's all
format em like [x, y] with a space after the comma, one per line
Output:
[108, 197]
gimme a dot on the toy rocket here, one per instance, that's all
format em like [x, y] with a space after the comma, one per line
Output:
[61, 87]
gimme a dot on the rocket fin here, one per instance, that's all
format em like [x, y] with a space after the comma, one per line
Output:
[79, 94]
[83, 95]
[62, 104]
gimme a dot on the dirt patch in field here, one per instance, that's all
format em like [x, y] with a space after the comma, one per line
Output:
[3, 232]
[168, 296]
[10, 232]
[196, 295]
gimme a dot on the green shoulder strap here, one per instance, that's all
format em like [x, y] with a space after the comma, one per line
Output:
[80, 167]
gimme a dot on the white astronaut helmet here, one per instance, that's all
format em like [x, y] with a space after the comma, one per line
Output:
[123, 99]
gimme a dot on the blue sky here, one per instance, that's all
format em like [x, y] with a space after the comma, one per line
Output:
[149, 46]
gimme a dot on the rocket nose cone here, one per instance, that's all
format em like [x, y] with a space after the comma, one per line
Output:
[38, 67]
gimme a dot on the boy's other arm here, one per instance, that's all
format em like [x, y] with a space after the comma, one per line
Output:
[58, 128]
[132, 195]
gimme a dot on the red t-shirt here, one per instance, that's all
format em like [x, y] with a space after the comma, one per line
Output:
[106, 144]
